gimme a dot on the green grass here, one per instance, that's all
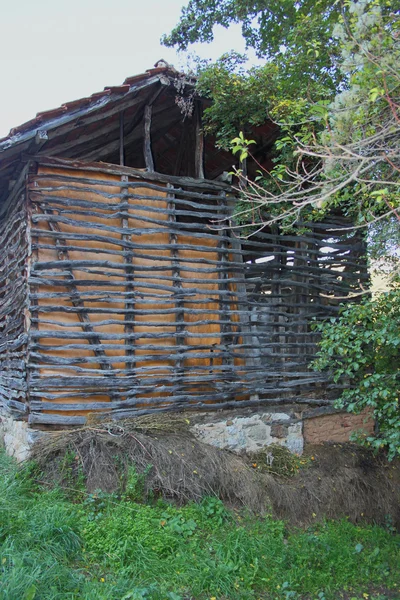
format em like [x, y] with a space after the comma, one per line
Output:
[111, 548]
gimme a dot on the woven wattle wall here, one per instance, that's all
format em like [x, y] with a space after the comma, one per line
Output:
[138, 302]
[13, 302]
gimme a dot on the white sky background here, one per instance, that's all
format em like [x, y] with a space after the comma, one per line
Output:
[55, 51]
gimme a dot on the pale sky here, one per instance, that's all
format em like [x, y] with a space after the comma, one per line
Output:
[55, 51]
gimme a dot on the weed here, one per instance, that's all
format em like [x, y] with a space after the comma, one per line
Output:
[96, 503]
[389, 525]
[287, 593]
[213, 508]
[278, 460]
[178, 524]
[134, 489]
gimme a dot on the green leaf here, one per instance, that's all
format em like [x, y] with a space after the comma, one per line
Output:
[30, 593]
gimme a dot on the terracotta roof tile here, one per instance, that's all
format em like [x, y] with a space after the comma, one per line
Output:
[157, 70]
[136, 78]
[83, 102]
[77, 103]
[118, 89]
[98, 95]
[53, 112]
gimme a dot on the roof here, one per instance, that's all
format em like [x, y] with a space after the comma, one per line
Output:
[89, 128]
[69, 110]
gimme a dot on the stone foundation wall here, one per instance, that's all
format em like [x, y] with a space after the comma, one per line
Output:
[241, 431]
[17, 437]
[336, 427]
[236, 430]
[250, 432]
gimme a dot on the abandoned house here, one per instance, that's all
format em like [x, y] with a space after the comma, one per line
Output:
[120, 295]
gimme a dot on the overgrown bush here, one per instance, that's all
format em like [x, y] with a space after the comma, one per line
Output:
[362, 349]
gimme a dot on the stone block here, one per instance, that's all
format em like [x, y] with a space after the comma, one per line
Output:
[251, 433]
[17, 437]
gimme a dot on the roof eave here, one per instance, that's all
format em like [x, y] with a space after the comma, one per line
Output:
[46, 125]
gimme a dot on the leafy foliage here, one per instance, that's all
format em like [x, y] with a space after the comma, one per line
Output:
[268, 94]
[362, 349]
[296, 36]
[361, 140]
[331, 81]
[227, 83]
[351, 159]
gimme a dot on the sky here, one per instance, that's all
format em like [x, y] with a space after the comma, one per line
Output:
[55, 51]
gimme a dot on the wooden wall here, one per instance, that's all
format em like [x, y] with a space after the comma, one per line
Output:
[140, 303]
[132, 303]
[293, 281]
[13, 301]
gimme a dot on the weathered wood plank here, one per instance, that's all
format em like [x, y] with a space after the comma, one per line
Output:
[134, 173]
[148, 155]
[199, 147]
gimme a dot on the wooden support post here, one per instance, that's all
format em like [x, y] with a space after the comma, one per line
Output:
[129, 274]
[199, 152]
[33, 256]
[148, 156]
[121, 138]
[225, 308]
[243, 304]
[280, 303]
[300, 264]
[177, 284]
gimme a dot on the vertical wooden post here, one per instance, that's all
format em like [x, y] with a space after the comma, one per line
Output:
[129, 276]
[121, 138]
[243, 305]
[223, 274]
[148, 156]
[300, 264]
[199, 151]
[279, 335]
[177, 284]
[33, 257]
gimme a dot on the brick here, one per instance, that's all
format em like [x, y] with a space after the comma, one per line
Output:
[336, 427]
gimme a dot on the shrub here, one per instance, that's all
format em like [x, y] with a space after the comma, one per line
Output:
[362, 349]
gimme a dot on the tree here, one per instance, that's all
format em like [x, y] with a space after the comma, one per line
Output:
[354, 158]
[295, 35]
[295, 38]
[337, 108]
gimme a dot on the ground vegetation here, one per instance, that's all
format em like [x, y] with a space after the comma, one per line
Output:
[107, 546]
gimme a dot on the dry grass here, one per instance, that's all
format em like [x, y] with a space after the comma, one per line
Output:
[341, 480]
[177, 466]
